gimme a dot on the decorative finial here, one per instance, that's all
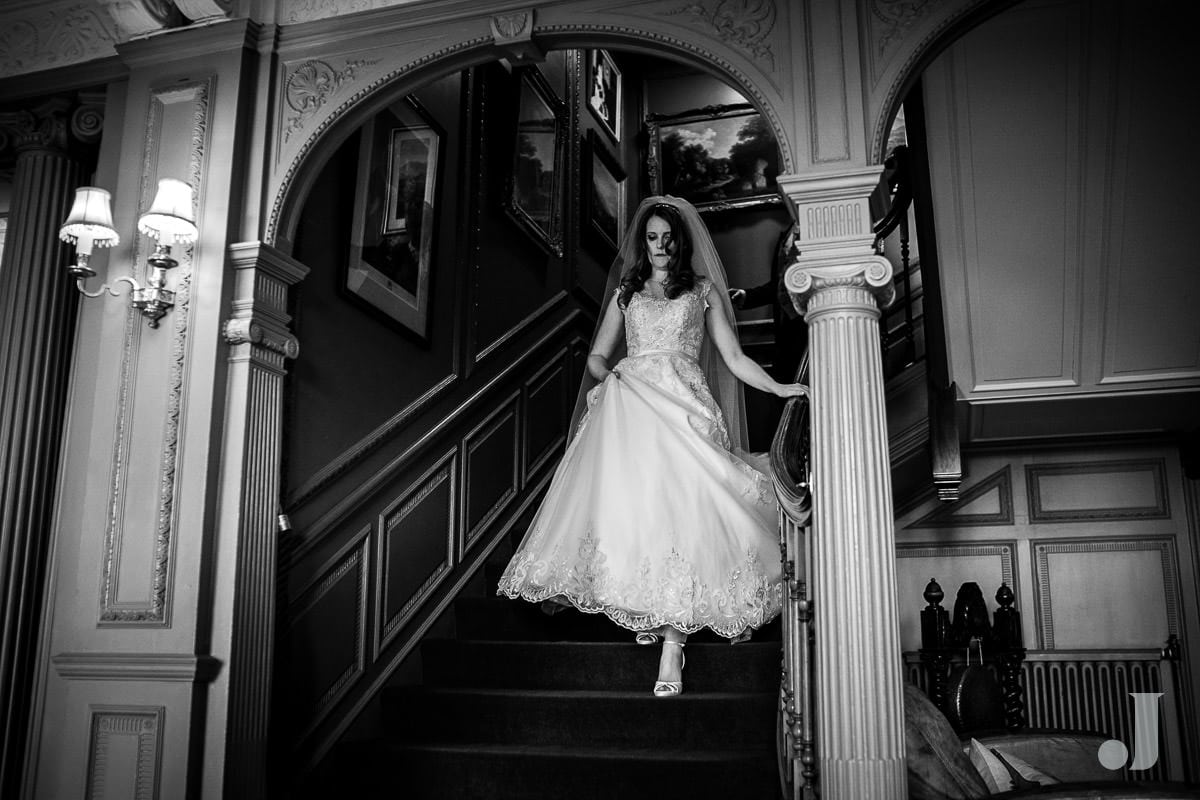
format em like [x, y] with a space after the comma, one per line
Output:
[933, 592]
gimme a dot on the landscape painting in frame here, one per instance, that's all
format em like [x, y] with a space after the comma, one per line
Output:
[716, 158]
[394, 215]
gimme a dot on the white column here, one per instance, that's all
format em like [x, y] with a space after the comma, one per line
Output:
[840, 285]
[37, 313]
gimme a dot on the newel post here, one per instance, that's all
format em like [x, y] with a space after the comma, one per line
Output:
[260, 341]
[840, 284]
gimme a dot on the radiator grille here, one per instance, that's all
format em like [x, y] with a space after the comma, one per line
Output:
[1089, 692]
[1093, 695]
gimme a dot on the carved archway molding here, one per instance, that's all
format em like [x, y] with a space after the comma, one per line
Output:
[748, 44]
[899, 39]
[324, 97]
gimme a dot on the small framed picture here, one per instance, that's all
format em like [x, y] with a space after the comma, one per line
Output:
[717, 158]
[534, 196]
[391, 242]
[604, 92]
[604, 196]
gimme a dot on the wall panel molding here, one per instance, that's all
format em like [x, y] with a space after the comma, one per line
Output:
[467, 569]
[444, 472]
[950, 563]
[1164, 547]
[951, 515]
[1003, 550]
[312, 534]
[124, 752]
[1156, 505]
[168, 667]
[171, 110]
[351, 563]
[479, 437]
[555, 375]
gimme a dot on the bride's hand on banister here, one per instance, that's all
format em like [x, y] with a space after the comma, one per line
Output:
[791, 389]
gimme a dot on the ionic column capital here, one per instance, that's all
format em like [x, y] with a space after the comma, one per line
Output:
[865, 281]
[260, 317]
[54, 124]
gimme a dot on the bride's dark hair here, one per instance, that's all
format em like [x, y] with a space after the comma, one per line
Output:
[680, 277]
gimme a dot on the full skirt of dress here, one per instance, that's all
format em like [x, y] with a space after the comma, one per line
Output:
[650, 518]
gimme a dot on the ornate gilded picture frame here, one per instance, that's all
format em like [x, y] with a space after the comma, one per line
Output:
[717, 158]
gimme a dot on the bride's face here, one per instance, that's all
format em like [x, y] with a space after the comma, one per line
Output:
[660, 245]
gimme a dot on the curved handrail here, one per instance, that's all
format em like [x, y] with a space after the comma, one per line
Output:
[790, 453]
[790, 474]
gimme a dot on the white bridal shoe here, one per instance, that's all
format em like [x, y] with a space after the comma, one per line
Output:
[671, 688]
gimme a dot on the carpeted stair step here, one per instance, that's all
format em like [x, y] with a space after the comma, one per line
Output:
[718, 667]
[494, 618]
[507, 772]
[501, 618]
[703, 720]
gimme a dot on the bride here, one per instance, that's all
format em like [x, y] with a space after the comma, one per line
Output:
[656, 515]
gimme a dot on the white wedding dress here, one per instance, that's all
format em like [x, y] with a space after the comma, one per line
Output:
[650, 518]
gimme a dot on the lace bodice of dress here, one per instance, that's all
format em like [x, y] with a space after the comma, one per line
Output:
[672, 325]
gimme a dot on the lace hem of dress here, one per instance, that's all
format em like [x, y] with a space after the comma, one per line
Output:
[746, 598]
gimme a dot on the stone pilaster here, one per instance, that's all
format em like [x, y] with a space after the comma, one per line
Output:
[37, 317]
[244, 614]
[840, 284]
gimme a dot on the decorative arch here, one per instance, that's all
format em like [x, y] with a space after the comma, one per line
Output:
[327, 116]
[900, 38]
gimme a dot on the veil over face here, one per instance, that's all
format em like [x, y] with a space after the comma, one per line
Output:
[726, 389]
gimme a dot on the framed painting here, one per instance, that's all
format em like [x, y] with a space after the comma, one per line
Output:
[604, 195]
[717, 158]
[604, 92]
[395, 213]
[534, 196]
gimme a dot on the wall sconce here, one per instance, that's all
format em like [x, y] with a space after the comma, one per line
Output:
[169, 221]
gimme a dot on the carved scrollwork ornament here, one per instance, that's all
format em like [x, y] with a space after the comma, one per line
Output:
[898, 16]
[745, 24]
[311, 85]
[87, 122]
[248, 331]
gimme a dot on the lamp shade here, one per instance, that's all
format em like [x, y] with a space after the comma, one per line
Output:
[170, 215]
[90, 221]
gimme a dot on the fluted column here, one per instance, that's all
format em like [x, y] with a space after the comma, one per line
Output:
[244, 615]
[840, 284]
[37, 312]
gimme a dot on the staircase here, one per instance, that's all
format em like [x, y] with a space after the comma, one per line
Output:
[523, 705]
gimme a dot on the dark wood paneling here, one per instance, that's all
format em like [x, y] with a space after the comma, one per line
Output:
[547, 412]
[491, 469]
[416, 546]
[326, 634]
